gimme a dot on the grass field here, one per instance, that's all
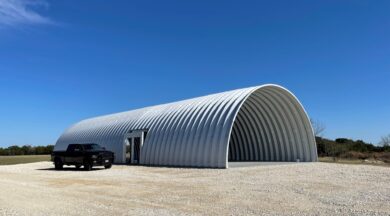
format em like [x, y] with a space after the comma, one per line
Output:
[353, 161]
[20, 159]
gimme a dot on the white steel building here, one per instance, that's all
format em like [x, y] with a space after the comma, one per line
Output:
[262, 123]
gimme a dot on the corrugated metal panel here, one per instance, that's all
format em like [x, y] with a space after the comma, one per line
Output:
[265, 123]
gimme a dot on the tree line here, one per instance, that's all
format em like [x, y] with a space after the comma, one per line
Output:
[27, 150]
[348, 148]
[325, 147]
[340, 146]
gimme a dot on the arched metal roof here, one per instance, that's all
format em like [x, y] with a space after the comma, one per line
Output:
[262, 123]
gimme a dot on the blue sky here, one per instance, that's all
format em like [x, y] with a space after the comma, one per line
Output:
[64, 61]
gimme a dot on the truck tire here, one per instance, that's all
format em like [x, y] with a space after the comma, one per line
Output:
[58, 164]
[87, 166]
[108, 166]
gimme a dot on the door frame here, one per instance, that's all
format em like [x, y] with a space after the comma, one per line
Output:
[140, 133]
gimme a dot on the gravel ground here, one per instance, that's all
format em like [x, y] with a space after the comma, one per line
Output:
[280, 189]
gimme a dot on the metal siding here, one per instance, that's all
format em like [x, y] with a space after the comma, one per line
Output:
[259, 123]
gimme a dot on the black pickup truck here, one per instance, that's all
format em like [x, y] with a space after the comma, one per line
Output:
[86, 155]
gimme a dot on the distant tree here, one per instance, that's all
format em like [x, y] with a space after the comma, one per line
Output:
[14, 150]
[318, 127]
[385, 141]
[343, 140]
[49, 149]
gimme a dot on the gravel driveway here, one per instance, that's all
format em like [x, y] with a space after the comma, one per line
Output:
[280, 189]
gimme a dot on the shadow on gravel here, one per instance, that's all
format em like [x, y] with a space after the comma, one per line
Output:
[69, 169]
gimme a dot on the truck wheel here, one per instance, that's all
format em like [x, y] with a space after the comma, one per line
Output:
[58, 164]
[108, 166]
[87, 166]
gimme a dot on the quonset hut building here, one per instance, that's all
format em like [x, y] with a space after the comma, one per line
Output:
[262, 123]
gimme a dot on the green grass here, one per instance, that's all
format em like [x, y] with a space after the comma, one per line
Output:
[20, 159]
[352, 161]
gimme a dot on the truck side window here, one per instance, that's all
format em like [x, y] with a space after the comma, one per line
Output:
[77, 148]
[74, 148]
[70, 148]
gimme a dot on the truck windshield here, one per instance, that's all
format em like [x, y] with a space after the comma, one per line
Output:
[92, 147]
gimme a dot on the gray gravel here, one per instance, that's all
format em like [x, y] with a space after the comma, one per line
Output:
[280, 189]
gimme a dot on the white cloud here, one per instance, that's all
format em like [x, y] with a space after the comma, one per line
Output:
[21, 12]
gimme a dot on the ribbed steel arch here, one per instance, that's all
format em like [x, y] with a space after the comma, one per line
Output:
[262, 123]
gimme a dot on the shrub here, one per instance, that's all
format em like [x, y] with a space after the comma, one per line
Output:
[355, 155]
[382, 156]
